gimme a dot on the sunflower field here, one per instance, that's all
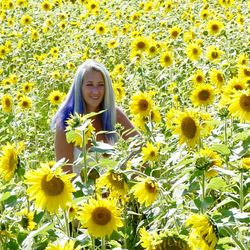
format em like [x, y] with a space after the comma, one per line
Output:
[180, 70]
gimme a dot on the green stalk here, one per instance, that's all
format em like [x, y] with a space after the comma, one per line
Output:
[84, 150]
[225, 131]
[233, 235]
[66, 223]
[241, 192]
[203, 184]
[125, 226]
[103, 243]
[93, 243]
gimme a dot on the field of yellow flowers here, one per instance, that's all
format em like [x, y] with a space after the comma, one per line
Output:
[181, 72]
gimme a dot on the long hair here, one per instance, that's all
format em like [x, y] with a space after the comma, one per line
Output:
[74, 102]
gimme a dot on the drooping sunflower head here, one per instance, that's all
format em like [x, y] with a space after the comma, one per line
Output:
[27, 219]
[7, 103]
[146, 191]
[115, 182]
[100, 217]
[50, 189]
[8, 161]
[204, 231]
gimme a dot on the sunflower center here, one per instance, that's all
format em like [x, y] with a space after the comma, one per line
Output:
[152, 153]
[238, 87]
[101, 28]
[7, 102]
[12, 161]
[141, 45]
[150, 187]
[215, 27]
[56, 98]
[25, 104]
[204, 95]
[214, 55]
[220, 77]
[247, 72]
[152, 49]
[175, 33]
[101, 216]
[167, 59]
[195, 51]
[116, 181]
[199, 78]
[52, 187]
[188, 127]
[245, 102]
[143, 105]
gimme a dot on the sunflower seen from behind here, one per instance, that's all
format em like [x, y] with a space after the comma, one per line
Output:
[145, 191]
[49, 189]
[101, 217]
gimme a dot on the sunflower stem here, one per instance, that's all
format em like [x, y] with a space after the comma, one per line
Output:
[85, 174]
[225, 131]
[125, 227]
[93, 243]
[103, 243]
[66, 223]
[203, 191]
[241, 192]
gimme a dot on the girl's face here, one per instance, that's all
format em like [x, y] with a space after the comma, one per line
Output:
[93, 90]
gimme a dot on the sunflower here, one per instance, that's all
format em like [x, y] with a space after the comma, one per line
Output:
[100, 28]
[62, 25]
[68, 245]
[26, 20]
[46, 5]
[242, 59]
[216, 77]
[56, 97]
[203, 95]
[244, 72]
[112, 44]
[193, 51]
[3, 51]
[100, 217]
[188, 128]
[27, 220]
[8, 161]
[92, 6]
[174, 31]
[214, 27]
[7, 103]
[115, 182]
[240, 106]
[152, 49]
[140, 43]
[119, 91]
[198, 77]
[141, 104]
[27, 87]
[146, 191]
[245, 163]
[22, 3]
[50, 189]
[150, 152]
[25, 102]
[163, 240]
[204, 14]
[166, 59]
[34, 35]
[213, 53]
[203, 231]
[214, 159]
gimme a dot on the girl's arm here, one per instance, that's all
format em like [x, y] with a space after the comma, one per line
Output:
[63, 149]
[128, 128]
